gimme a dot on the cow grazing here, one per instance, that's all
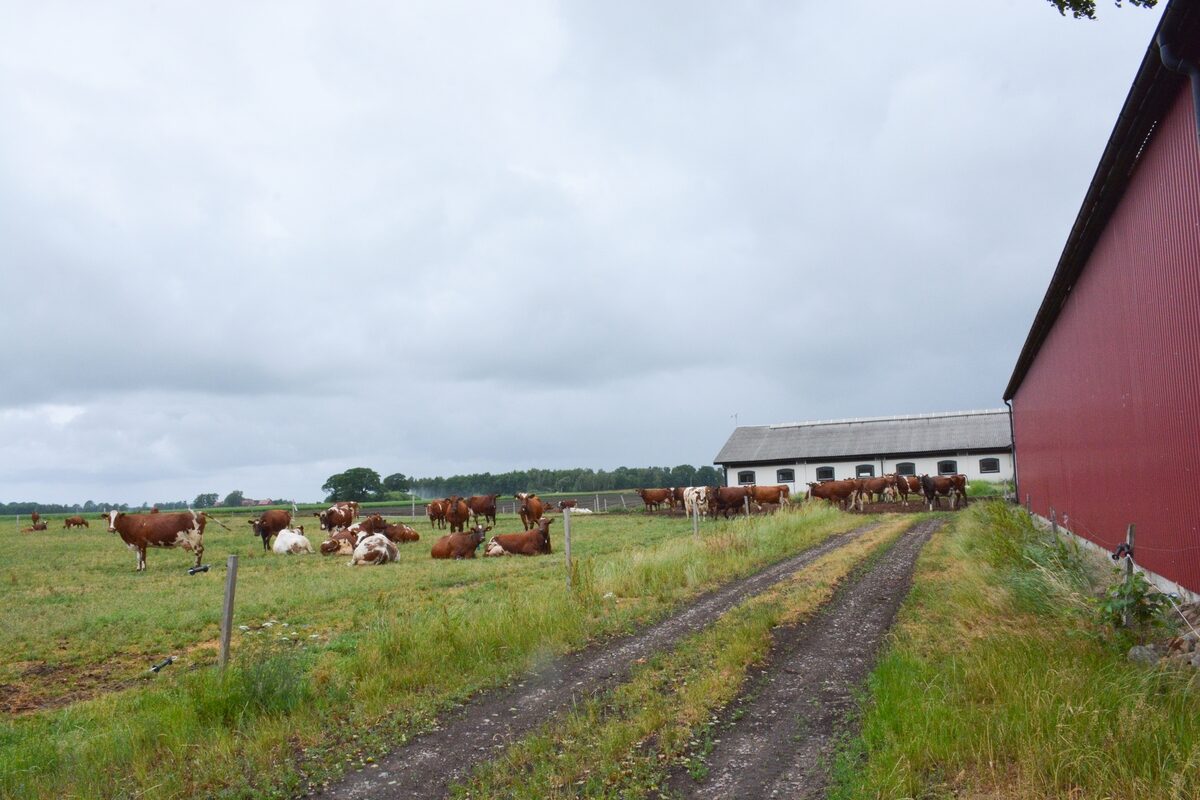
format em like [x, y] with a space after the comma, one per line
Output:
[726, 499]
[837, 492]
[457, 513]
[75, 522]
[139, 531]
[483, 505]
[291, 541]
[779, 494]
[530, 543]
[436, 511]
[531, 509]
[374, 550]
[459, 545]
[270, 524]
[653, 498]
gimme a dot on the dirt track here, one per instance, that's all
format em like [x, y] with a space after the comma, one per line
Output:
[776, 740]
[493, 720]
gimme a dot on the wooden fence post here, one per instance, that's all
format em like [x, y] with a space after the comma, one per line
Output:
[1053, 521]
[696, 520]
[622, 496]
[746, 504]
[567, 542]
[227, 615]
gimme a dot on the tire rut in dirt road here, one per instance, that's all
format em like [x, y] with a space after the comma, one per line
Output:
[788, 717]
[492, 720]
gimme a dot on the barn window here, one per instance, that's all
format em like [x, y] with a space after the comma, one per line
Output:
[824, 473]
[785, 476]
[746, 477]
[865, 471]
[989, 465]
[947, 467]
[906, 468]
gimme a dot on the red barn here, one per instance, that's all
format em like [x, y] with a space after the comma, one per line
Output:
[1106, 391]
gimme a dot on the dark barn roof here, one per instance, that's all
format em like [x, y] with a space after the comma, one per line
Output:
[1154, 89]
[923, 433]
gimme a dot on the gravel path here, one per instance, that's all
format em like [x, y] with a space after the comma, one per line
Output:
[777, 739]
[492, 720]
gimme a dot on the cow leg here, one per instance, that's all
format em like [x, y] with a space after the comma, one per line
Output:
[141, 555]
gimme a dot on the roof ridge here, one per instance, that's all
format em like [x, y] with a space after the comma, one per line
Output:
[895, 418]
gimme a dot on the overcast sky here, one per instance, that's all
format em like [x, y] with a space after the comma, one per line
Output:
[247, 246]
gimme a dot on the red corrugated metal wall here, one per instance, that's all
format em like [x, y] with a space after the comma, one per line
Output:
[1107, 418]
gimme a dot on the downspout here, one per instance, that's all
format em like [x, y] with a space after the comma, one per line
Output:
[1176, 64]
[1012, 435]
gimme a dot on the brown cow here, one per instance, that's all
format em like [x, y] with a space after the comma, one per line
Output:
[375, 523]
[838, 492]
[565, 504]
[270, 524]
[483, 505]
[724, 499]
[677, 497]
[75, 522]
[459, 545]
[938, 486]
[531, 509]
[529, 543]
[35, 517]
[880, 487]
[436, 511]
[37, 526]
[457, 513]
[779, 494]
[139, 531]
[400, 533]
[903, 488]
[653, 498]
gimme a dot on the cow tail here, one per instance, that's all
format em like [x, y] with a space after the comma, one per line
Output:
[214, 518]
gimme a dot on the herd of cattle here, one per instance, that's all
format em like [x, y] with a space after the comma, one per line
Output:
[374, 540]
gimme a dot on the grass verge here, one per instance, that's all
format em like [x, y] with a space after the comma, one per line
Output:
[620, 744]
[998, 685]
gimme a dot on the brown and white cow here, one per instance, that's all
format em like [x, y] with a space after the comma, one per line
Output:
[530, 543]
[374, 550]
[653, 498]
[75, 522]
[483, 505]
[459, 545]
[139, 531]
[436, 511]
[336, 517]
[563, 505]
[269, 524]
[399, 533]
[531, 509]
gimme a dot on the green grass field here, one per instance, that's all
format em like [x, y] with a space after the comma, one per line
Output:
[352, 658]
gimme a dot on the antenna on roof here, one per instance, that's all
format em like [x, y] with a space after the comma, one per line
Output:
[734, 417]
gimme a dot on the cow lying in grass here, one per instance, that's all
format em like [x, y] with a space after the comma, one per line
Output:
[459, 545]
[373, 550]
[341, 543]
[291, 541]
[529, 543]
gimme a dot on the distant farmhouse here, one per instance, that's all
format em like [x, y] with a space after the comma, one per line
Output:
[1106, 391]
[977, 444]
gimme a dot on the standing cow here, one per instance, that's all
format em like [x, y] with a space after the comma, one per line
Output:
[436, 511]
[139, 531]
[75, 522]
[270, 524]
[483, 505]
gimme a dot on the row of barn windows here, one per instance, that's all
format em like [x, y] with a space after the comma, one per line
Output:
[947, 467]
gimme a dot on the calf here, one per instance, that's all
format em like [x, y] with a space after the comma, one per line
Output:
[291, 541]
[271, 523]
[459, 545]
[140, 531]
[75, 522]
[529, 543]
[531, 509]
[374, 550]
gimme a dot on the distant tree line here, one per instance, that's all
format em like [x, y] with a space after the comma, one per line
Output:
[26, 508]
[364, 484]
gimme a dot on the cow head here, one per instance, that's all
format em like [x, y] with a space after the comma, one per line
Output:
[112, 517]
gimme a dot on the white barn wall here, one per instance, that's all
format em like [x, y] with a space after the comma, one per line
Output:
[806, 472]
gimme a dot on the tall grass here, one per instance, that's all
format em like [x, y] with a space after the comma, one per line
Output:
[997, 686]
[394, 646]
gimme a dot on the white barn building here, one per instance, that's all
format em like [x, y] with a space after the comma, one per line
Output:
[977, 444]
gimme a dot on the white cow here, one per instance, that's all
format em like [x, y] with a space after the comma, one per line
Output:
[374, 549]
[291, 541]
[695, 499]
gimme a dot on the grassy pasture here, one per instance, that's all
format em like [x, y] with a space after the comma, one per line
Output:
[367, 655]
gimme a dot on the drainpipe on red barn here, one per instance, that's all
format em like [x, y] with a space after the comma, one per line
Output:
[1177, 64]
[1012, 436]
